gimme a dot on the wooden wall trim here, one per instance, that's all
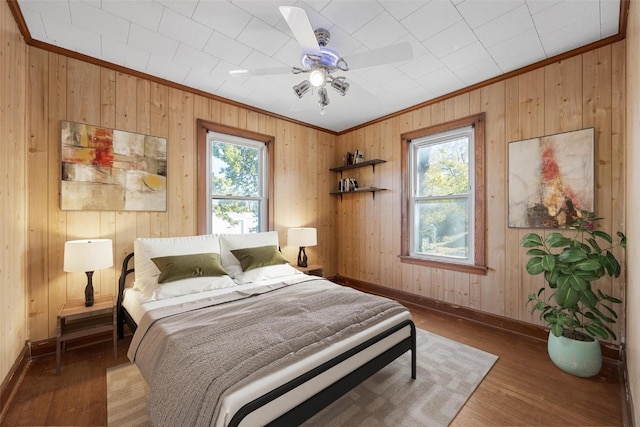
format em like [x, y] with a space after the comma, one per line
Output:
[11, 383]
[609, 351]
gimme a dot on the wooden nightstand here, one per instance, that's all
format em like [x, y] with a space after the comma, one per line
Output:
[75, 320]
[313, 270]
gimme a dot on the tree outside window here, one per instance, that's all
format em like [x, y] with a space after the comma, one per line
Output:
[236, 190]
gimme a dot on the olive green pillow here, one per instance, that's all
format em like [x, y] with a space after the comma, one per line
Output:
[176, 267]
[261, 256]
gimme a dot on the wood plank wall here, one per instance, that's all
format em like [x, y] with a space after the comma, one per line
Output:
[583, 91]
[633, 205]
[13, 199]
[67, 89]
[359, 237]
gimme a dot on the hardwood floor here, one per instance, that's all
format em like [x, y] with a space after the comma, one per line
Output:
[523, 388]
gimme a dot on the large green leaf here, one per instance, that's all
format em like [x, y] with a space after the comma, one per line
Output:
[578, 283]
[531, 240]
[571, 255]
[611, 264]
[588, 298]
[556, 329]
[552, 277]
[588, 264]
[611, 311]
[567, 297]
[594, 245]
[609, 298]
[601, 315]
[549, 262]
[596, 331]
[534, 266]
[536, 252]
[603, 235]
[557, 240]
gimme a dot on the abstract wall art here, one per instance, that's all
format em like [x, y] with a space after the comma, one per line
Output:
[111, 170]
[550, 178]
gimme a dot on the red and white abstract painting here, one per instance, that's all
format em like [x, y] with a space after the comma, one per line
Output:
[111, 170]
[550, 179]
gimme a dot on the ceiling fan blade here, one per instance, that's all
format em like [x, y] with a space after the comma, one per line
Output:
[384, 55]
[265, 71]
[301, 28]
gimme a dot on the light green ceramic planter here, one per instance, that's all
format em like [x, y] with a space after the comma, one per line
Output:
[579, 358]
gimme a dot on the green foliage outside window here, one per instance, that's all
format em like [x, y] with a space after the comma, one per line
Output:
[443, 174]
[235, 173]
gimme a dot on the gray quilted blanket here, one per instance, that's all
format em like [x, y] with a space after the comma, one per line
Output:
[193, 354]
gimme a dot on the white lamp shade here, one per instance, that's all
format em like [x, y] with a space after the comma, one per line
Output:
[304, 236]
[88, 255]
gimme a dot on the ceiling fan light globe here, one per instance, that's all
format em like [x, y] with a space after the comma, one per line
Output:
[317, 77]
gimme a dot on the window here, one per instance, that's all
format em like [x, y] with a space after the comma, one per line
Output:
[443, 209]
[233, 180]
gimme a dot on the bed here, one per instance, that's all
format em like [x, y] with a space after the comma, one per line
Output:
[248, 340]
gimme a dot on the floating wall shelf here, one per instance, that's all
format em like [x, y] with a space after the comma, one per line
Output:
[372, 190]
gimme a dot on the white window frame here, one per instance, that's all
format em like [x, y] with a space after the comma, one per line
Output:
[435, 140]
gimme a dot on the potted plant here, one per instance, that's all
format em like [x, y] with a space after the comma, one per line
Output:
[575, 313]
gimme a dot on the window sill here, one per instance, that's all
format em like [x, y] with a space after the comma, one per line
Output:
[471, 269]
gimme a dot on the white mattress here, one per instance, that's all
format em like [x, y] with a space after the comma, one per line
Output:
[132, 297]
[234, 401]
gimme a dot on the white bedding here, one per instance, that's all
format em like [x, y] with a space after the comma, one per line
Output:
[133, 297]
[147, 295]
[234, 401]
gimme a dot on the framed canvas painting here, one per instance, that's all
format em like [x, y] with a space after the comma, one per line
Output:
[550, 178]
[111, 170]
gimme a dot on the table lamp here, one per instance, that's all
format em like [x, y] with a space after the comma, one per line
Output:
[302, 237]
[88, 256]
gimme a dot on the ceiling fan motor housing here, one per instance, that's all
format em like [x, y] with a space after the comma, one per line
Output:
[323, 36]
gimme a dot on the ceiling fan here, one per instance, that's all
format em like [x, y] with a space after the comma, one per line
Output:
[321, 63]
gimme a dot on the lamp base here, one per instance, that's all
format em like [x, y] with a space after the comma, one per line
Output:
[88, 290]
[302, 257]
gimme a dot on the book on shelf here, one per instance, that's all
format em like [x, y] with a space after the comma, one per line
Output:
[352, 158]
[347, 184]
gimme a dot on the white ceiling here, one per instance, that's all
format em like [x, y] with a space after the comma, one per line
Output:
[456, 43]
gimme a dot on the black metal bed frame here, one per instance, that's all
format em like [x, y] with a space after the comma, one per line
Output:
[323, 398]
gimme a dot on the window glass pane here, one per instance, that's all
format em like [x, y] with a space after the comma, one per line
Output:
[235, 216]
[441, 228]
[234, 170]
[443, 168]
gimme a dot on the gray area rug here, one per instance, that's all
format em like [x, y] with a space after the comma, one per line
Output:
[447, 374]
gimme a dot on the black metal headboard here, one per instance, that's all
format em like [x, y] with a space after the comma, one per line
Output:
[123, 315]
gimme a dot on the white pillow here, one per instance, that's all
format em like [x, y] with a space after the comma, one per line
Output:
[145, 248]
[228, 242]
[263, 273]
[189, 286]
